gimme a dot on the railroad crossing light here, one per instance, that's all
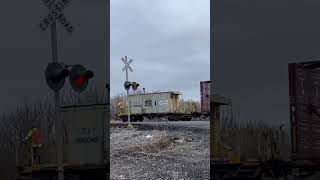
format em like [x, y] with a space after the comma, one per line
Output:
[79, 77]
[127, 85]
[135, 86]
[55, 75]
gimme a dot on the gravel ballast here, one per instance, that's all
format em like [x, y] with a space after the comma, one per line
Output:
[159, 154]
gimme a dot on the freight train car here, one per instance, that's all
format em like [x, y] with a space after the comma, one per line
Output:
[154, 105]
[166, 105]
[205, 98]
[304, 110]
[85, 151]
[304, 92]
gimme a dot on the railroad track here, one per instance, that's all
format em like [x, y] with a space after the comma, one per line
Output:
[123, 124]
[171, 126]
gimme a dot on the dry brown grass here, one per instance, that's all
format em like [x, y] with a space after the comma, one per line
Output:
[160, 142]
[253, 139]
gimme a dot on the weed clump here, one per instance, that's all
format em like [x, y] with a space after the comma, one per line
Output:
[159, 142]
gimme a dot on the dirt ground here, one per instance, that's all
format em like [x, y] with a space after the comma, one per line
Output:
[159, 154]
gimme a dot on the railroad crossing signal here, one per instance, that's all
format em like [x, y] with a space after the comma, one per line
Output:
[57, 72]
[127, 85]
[79, 77]
[134, 86]
[55, 75]
[56, 13]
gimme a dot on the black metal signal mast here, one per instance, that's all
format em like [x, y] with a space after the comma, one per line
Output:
[55, 74]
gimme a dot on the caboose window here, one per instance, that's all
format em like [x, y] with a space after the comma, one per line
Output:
[148, 103]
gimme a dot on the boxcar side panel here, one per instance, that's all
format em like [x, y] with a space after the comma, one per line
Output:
[305, 125]
[85, 134]
[205, 96]
[136, 103]
[174, 102]
[162, 104]
[148, 103]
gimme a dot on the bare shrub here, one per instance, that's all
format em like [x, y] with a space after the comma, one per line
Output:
[189, 106]
[158, 143]
[114, 100]
[253, 139]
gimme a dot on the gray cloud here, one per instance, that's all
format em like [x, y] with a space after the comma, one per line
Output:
[168, 41]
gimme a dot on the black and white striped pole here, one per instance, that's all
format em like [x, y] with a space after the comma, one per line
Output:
[127, 84]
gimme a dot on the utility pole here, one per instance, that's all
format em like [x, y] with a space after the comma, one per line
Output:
[125, 68]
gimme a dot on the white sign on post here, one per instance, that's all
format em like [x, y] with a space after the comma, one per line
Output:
[127, 64]
[56, 13]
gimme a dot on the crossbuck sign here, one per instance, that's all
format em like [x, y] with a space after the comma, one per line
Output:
[56, 13]
[127, 64]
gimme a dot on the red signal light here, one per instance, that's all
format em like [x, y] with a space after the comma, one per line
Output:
[79, 77]
[135, 86]
[80, 81]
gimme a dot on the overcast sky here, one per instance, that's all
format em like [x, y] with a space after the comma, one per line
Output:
[25, 50]
[168, 40]
[253, 41]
